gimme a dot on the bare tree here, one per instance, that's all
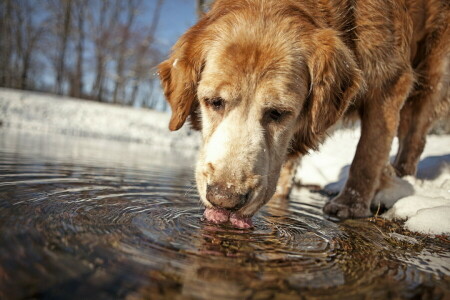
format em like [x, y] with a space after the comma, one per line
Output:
[124, 33]
[27, 34]
[60, 28]
[76, 82]
[70, 36]
[102, 27]
[145, 59]
[5, 41]
[143, 53]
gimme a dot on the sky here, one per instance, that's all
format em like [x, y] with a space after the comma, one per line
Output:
[176, 17]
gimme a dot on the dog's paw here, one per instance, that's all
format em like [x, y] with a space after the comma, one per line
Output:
[404, 169]
[344, 207]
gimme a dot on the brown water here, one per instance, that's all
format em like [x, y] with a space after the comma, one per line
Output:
[91, 219]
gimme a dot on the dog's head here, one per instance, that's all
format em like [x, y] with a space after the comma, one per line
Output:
[259, 84]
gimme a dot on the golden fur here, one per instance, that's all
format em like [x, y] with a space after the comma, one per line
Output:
[265, 79]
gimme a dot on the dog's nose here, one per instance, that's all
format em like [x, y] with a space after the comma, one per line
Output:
[224, 197]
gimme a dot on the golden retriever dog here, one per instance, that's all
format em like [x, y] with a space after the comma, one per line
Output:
[265, 79]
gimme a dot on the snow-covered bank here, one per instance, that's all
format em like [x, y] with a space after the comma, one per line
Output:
[424, 202]
[37, 112]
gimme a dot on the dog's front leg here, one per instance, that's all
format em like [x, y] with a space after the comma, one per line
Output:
[287, 174]
[379, 122]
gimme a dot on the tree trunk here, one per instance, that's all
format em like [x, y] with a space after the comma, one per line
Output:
[25, 68]
[139, 70]
[33, 34]
[134, 92]
[123, 45]
[77, 81]
[5, 43]
[98, 85]
[97, 88]
[60, 72]
[19, 47]
[106, 25]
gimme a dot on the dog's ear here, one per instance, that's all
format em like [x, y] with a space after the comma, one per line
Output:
[180, 74]
[335, 80]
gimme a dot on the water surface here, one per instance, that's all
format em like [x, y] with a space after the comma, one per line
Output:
[94, 219]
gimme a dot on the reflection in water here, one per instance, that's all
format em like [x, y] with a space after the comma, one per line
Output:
[88, 218]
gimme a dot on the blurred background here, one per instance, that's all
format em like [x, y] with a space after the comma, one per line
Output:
[99, 50]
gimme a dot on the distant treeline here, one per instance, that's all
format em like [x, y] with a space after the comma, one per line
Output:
[102, 50]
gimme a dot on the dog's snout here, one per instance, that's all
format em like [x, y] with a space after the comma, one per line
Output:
[225, 197]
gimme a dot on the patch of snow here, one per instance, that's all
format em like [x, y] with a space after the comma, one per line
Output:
[428, 210]
[329, 166]
[412, 205]
[399, 188]
[434, 220]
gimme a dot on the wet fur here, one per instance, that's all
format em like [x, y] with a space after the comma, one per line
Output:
[386, 62]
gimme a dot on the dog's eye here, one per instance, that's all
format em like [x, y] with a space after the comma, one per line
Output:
[216, 103]
[274, 114]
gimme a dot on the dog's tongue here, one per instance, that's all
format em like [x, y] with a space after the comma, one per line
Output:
[218, 216]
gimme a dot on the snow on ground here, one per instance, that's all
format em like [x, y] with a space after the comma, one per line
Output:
[42, 113]
[424, 201]
[428, 209]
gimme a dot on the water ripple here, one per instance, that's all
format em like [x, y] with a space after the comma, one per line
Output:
[137, 231]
